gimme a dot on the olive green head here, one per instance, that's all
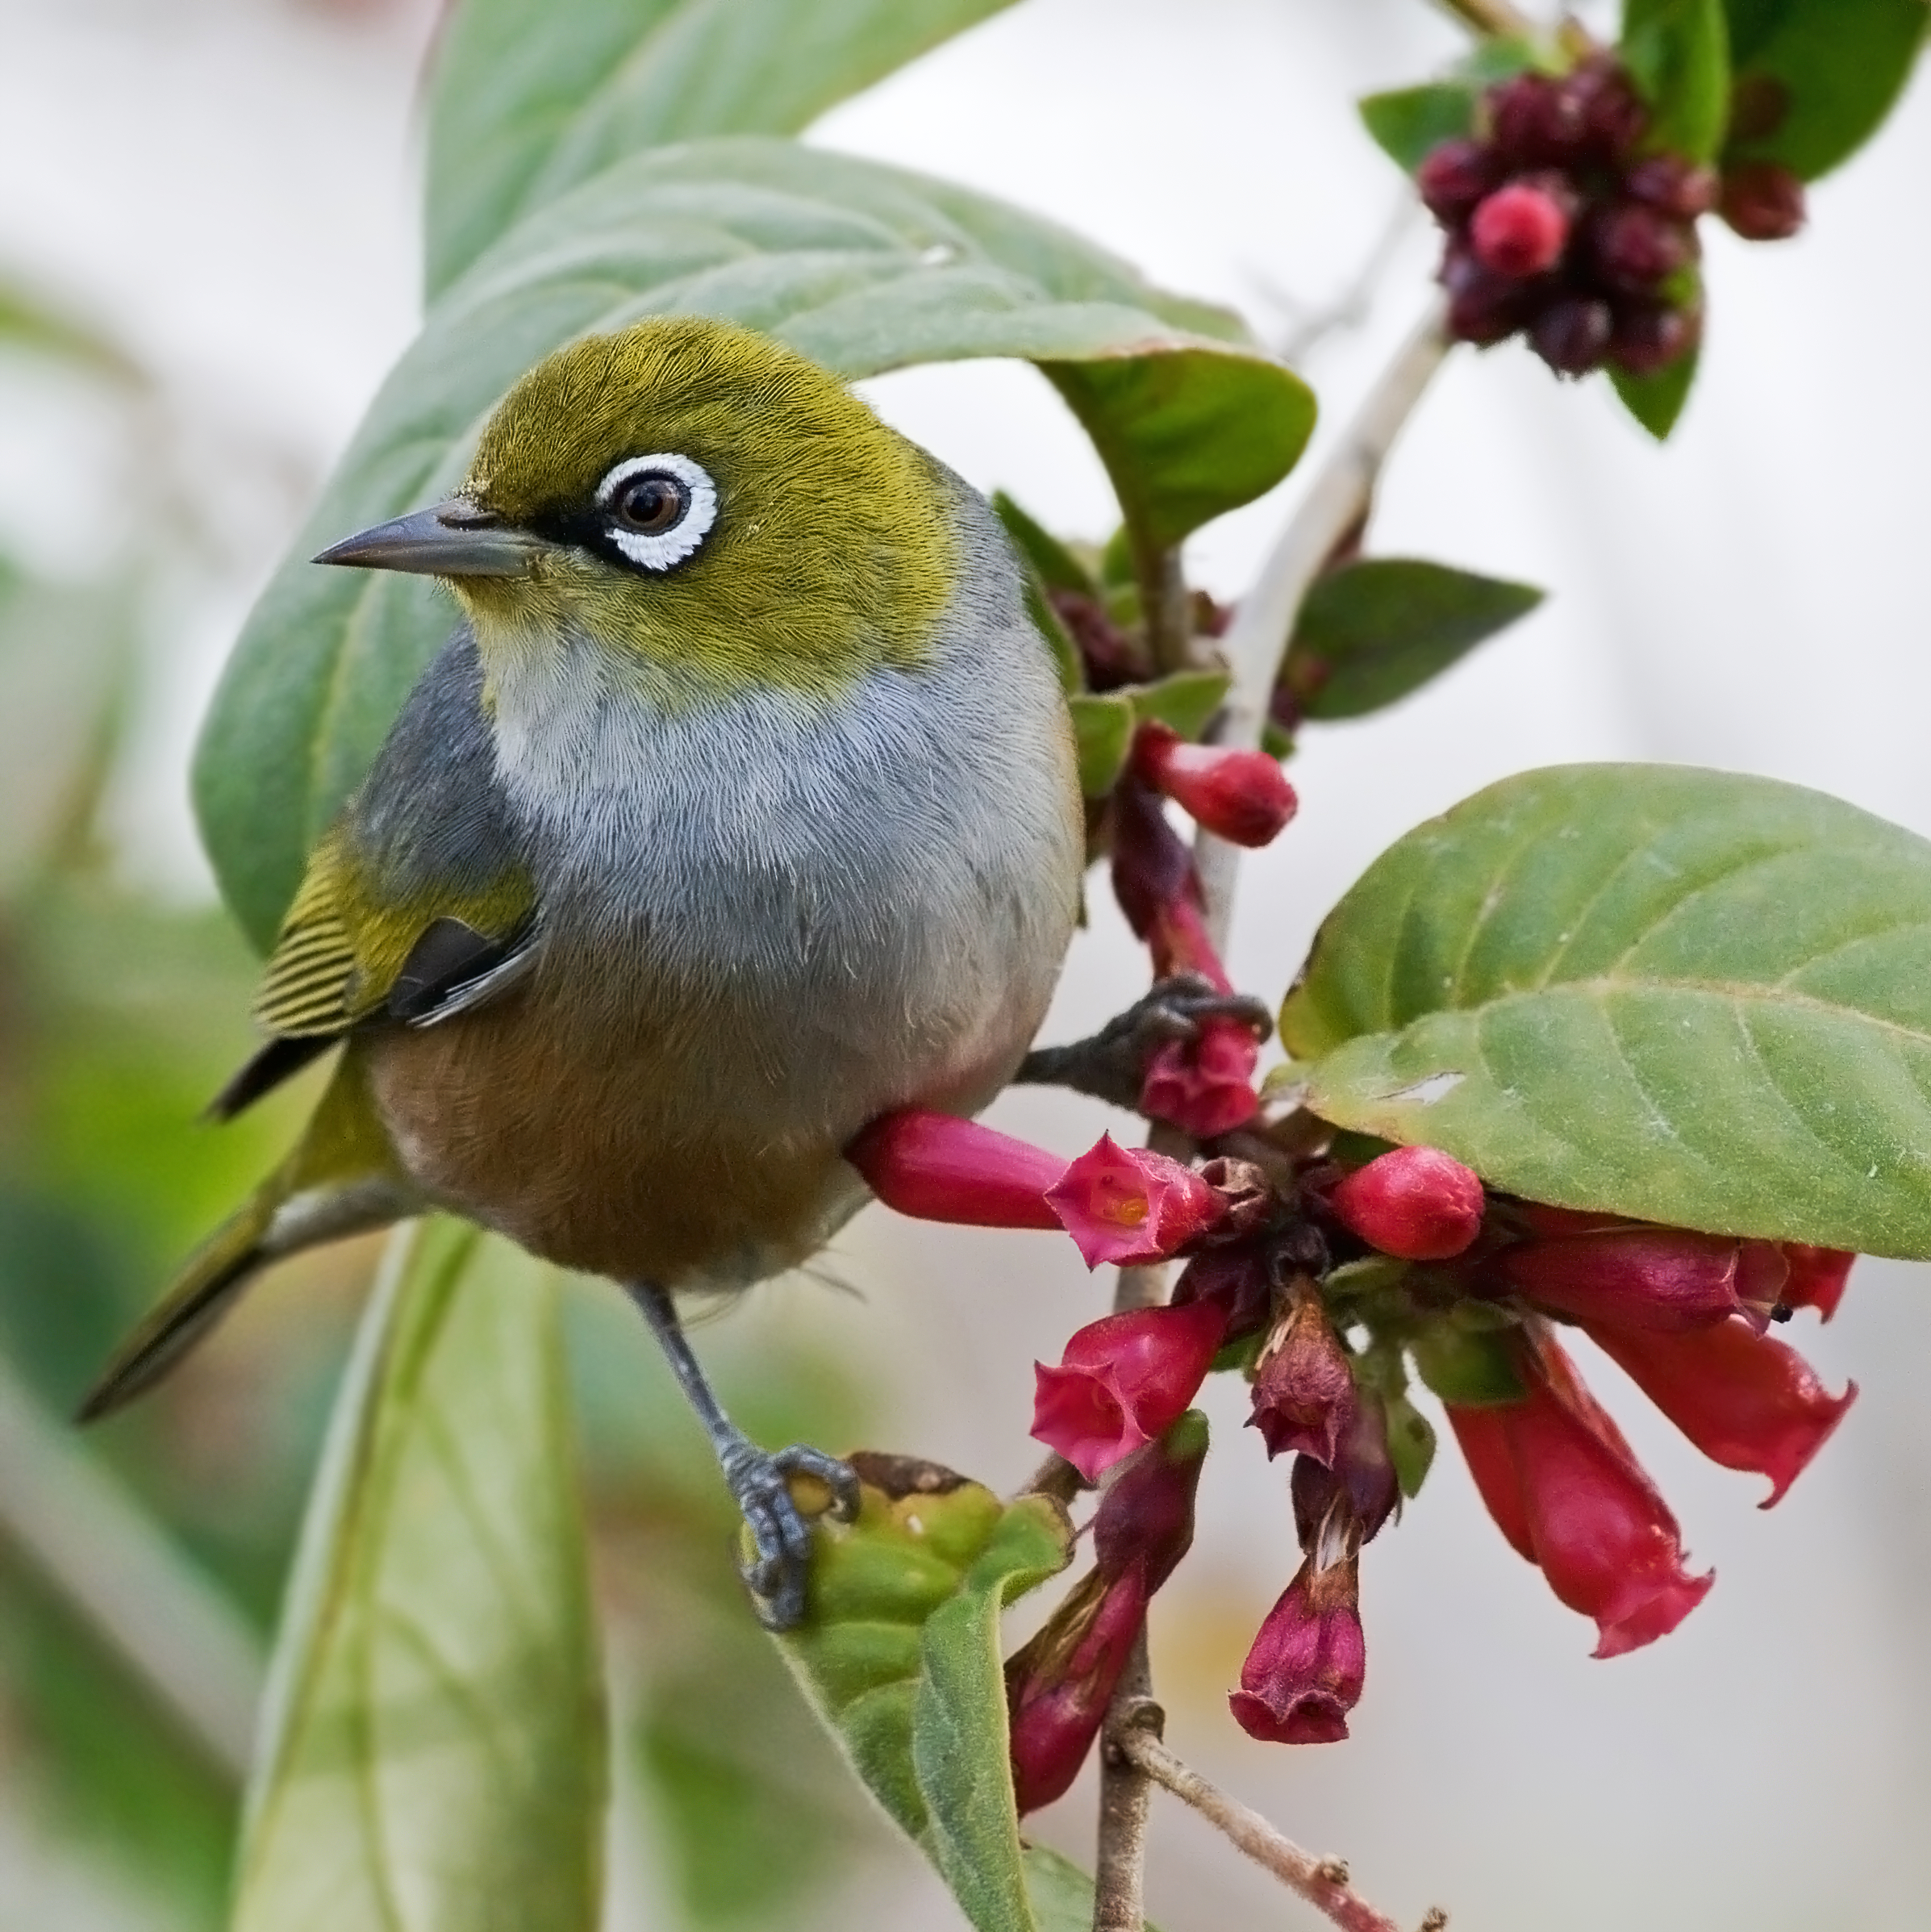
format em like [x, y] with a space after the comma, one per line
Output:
[695, 495]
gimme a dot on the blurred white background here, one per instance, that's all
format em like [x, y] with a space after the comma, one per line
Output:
[227, 186]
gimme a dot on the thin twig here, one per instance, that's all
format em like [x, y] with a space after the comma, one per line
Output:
[1125, 1798]
[1495, 18]
[1336, 503]
[1322, 1882]
[97, 1545]
[1311, 323]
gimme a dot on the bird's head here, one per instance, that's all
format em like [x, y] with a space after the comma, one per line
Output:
[695, 501]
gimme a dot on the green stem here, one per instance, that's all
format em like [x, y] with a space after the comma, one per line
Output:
[1495, 20]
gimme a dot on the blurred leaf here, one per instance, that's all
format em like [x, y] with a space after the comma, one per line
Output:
[31, 322]
[1684, 995]
[1679, 52]
[1408, 122]
[861, 267]
[1185, 700]
[1062, 1894]
[1058, 569]
[1102, 729]
[900, 1655]
[1411, 1443]
[1838, 66]
[1374, 631]
[526, 102]
[1657, 401]
[1471, 1370]
[436, 1753]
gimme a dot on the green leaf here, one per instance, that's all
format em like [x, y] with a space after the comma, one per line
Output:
[1411, 1443]
[900, 1655]
[1686, 995]
[1186, 701]
[1102, 729]
[1407, 121]
[1657, 401]
[861, 267]
[436, 1754]
[1470, 1370]
[1062, 1894]
[1677, 52]
[525, 103]
[1836, 66]
[1372, 631]
[1058, 569]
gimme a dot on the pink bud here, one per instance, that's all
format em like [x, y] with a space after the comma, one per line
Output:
[1637, 247]
[1816, 1277]
[1483, 306]
[1304, 1391]
[1241, 796]
[1572, 334]
[1416, 1203]
[1305, 1671]
[1124, 1205]
[1520, 231]
[1662, 1279]
[1762, 201]
[1748, 1401]
[1145, 1516]
[1536, 119]
[1122, 1381]
[1205, 1085]
[936, 1167]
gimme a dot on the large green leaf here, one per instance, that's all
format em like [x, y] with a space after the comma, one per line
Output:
[1828, 70]
[900, 1655]
[527, 103]
[436, 1756]
[863, 268]
[1679, 52]
[1686, 995]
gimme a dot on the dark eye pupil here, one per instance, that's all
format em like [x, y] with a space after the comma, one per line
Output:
[652, 503]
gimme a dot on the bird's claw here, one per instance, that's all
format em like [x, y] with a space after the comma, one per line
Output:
[781, 1532]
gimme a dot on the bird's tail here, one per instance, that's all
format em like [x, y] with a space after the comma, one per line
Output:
[341, 1179]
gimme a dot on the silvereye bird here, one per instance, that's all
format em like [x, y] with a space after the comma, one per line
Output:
[741, 808]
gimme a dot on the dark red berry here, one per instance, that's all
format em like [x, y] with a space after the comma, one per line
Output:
[1572, 334]
[1520, 231]
[1535, 120]
[1483, 306]
[1648, 337]
[1454, 176]
[1672, 186]
[1762, 201]
[1635, 248]
[1613, 113]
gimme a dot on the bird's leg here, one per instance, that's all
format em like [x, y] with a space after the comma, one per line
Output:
[1111, 1065]
[758, 1479]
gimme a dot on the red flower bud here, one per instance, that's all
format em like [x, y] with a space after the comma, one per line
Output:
[1145, 1516]
[1123, 1380]
[1361, 1480]
[1241, 796]
[1520, 231]
[1648, 337]
[1416, 1203]
[1059, 1684]
[1483, 306]
[1816, 1277]
[1673, 185]
[1583, 1509]
[1304, 1391]
[1747, 1401]
[1126, 1204]
[1453, 177]
[1635, 247]
[1662, 1279]
[1762, 201]
[1204, 1085]
[1304, 1673]
[1572, 334]
[936, 1167]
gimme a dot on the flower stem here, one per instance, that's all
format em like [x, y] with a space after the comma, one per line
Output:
[1494, 19]
[1125, 1798]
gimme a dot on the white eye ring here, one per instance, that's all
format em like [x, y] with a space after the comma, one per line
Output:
[658, 550]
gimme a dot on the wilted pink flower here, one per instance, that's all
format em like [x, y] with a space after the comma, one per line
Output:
[1126, 1204]
[936, 1167]
[1580, 1505]
[1204, 1085]
[1241, 796]
[1305, 1671]
[1667, 1279]
[1123, 1380]
[1361, 1478]
[1747, 1401]
[1415, 1203]
[1304, 1391]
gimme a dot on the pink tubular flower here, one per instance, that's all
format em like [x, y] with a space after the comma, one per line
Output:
[1125, 1204]
[936, 1167]
[1123, 1380]
[1665, 1279]
[1581, 1508]
[1305, 1671]
[1303, 1394]
[1816, 1277]
[1747, 1401]
[1415, 1203]
[1204, 1085]
[1241, 796]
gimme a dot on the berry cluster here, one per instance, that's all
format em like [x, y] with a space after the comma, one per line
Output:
[1560, 226]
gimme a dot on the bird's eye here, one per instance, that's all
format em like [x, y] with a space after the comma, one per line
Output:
[657, 509]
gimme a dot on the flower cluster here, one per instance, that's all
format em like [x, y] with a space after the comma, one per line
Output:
[1564, 226]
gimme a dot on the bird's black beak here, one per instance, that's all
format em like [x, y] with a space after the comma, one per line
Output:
[452, 539]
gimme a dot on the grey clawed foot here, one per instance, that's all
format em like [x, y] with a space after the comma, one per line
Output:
[1111, 1065]
[780, 1535]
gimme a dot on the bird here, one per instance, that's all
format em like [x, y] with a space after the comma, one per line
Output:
[740, 808]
